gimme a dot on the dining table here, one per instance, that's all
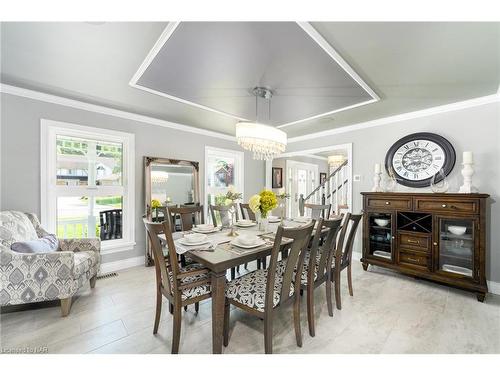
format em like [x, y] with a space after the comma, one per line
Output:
[222, 255]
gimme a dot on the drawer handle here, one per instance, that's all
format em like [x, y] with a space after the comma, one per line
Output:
[443, 205]
[387, 203]
[415, 242]
[435, 243]
[413, 259]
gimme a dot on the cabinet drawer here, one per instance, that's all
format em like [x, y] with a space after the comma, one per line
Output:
[414, 241]
[470, 206]
[412, 259]
[396, 203]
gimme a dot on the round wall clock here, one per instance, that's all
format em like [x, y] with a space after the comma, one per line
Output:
[416, 158]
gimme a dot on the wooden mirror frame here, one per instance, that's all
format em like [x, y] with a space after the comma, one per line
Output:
[148, 160]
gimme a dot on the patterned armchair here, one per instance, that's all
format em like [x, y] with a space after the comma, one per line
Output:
[37, 277]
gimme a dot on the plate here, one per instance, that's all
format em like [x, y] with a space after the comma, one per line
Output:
[242, 225]
[182, 241]
[260, 242]
[274, 220]
[215, 229]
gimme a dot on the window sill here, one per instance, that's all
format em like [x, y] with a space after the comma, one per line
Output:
[116, 247]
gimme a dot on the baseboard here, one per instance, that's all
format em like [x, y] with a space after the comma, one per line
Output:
[121, 264]
[493, 286]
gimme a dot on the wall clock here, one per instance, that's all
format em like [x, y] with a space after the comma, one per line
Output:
[416, 158]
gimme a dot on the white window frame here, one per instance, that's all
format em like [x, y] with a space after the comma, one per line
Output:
[49, 189]
[240, 171]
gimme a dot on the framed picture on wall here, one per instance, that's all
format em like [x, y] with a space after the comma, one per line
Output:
[322, 178]
[277, 178]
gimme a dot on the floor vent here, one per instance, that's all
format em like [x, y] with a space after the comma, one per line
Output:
[107, 275]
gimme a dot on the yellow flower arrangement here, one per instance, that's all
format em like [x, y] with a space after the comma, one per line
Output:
[263, 202]
[155, 203]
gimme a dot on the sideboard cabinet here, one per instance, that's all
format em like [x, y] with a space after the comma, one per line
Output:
[440, 237]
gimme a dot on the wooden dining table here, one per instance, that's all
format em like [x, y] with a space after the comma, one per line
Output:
[226, 256]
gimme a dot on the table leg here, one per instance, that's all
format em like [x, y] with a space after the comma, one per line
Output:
[218, 299]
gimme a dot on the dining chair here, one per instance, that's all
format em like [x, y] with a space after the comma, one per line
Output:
[188, 215]
[319, 210]
[225, 221]
[262, 292]
[343, 254]
[246, 212]
[181, 286]
[317, 265]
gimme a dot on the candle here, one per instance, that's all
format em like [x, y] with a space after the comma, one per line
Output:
[467, 157]
[377, 168]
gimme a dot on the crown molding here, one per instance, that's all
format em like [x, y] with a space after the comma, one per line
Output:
[402, 117]
[54, 99]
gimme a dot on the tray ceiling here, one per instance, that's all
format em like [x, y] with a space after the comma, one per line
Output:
[215, 66]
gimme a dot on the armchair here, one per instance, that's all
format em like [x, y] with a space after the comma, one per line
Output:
[27, 278]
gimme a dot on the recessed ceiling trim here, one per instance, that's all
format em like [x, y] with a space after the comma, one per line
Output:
[305, 26]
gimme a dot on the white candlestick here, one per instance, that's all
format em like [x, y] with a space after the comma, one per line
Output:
[467, 173]
[377, 168]
[468, 158]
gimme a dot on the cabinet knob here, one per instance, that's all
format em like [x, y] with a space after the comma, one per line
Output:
[393, 237]
[387, 203]
[443, 205]
[435, 243]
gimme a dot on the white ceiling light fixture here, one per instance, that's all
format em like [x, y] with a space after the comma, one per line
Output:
[266, 142]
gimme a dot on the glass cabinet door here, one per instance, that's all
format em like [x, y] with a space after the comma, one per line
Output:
[456, 246]
[380, 236]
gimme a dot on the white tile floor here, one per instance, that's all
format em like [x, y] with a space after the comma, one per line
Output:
[389, 313]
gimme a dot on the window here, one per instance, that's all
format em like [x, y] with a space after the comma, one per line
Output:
[223, 168]
[88, 184]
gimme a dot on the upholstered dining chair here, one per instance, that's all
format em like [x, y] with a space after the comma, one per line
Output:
[343, 254]
[188, 215]
[181, 286]
[225, 221]
[262, 292]
[317, 266]
[319, 210]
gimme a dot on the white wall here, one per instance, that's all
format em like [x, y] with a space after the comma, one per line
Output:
[473, 129]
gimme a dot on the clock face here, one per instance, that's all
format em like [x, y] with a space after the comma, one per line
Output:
[416, 158]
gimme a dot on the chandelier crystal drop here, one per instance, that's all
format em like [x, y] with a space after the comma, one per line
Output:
[266, 142]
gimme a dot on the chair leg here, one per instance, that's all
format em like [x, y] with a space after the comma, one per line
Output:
[246, 266]
[171, 308]
[238, 269]
[196, 307]
[349, 279]
[268, 335]
[337, 290]
[310, 309]
[264, 262]
[185, 308]
[296, 320]
[176, 332]
[93, 281]
[65, 306]
[233, 273]
[329, 296]
[226, 322]
[158, 311]
[258, 264]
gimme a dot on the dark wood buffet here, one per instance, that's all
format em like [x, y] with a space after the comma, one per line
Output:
[440, 237]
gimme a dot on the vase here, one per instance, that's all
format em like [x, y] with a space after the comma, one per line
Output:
[439, 182]
[263, 222]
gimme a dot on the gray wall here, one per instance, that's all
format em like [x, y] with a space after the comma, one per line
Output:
[20, 154]
[473, 129]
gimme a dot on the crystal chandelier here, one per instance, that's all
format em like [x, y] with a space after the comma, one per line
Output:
[266, 142]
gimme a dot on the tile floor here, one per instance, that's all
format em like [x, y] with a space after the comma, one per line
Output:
[389, 313]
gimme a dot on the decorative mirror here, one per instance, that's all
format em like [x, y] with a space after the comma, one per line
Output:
[168, 183]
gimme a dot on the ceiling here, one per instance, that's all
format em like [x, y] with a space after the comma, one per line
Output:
[410, 66]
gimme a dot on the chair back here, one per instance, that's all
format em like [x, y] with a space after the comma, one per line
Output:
[246, 212]
[343, 253]
[295, 261]
[110, 224]
[319, 210]
[188, 215]
[224, 215]
[163, 265]
[327, 248]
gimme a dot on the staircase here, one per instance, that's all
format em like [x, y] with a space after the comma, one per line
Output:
[334, 191]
